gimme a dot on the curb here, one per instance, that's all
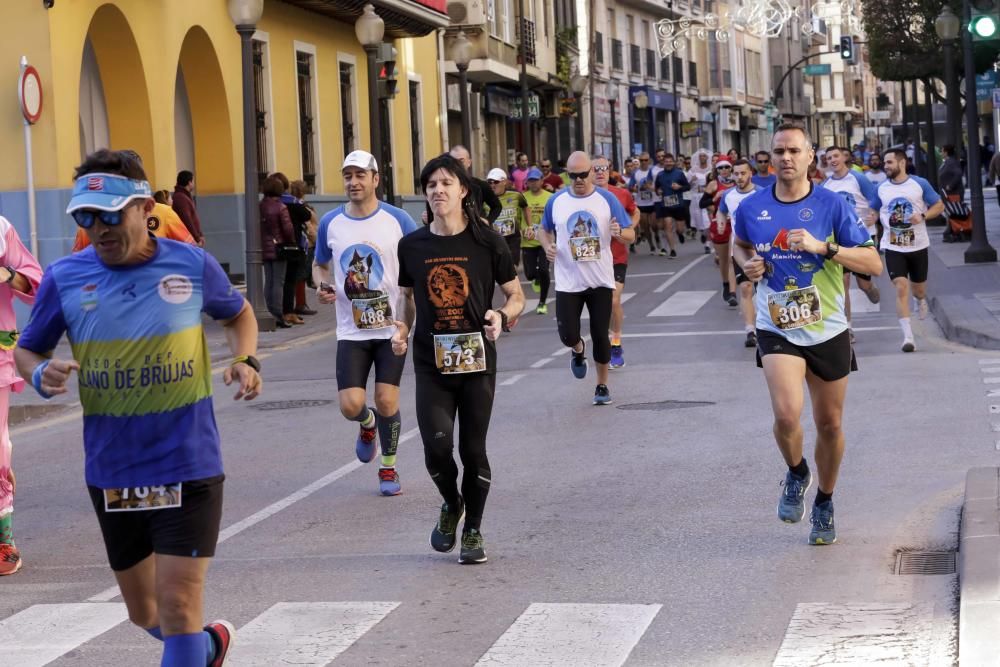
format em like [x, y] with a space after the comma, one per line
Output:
[965, 320]
[979, 569]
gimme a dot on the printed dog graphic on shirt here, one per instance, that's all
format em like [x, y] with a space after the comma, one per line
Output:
[900, 211]
[448, 286]
[363, 271]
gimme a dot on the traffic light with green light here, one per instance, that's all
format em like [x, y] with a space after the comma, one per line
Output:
[985, 21]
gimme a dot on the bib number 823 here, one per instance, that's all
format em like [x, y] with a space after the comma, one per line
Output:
[584, 250]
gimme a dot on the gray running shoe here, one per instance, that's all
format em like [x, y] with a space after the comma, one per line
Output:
[822, 532]
[443, 535]
[792, 503]
[472, 548]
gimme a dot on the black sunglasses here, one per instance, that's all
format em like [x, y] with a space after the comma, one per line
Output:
[85, 217]
[578, 175]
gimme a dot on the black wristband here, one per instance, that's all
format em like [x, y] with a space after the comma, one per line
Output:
[503, 321]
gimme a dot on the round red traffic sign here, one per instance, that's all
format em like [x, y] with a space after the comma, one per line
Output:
[29, 93]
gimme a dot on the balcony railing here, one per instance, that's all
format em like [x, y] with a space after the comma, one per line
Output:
[635, 58]
[527, 35]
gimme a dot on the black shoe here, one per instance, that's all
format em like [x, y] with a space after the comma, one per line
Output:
[443, 535]
[472, 547]
[731, 300]
[305, 310]
[631, 248]
[673, 254]
[751, 340]
[680, 236]
[703, 239]
[282, 324]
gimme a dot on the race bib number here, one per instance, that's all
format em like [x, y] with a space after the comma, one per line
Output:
[671, 201]
[460, 353]
[795, 308]
[902, 236]
[142, 498]
[585, 249]
[504, 227]
[371, 313]
[645, 198]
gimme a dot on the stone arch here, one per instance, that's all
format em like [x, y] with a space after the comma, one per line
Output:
[122, 82]
[202, 88]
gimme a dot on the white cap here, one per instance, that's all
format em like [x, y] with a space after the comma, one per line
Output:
[723, 163]
[496, 174]
[362, 159]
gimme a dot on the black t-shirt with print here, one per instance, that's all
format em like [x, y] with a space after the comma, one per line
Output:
[453, 279]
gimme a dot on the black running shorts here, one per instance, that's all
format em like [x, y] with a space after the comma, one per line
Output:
[829, 361]
[741, 276]
[912, 265]
[355, 359]
[190, 530]
[620, 270]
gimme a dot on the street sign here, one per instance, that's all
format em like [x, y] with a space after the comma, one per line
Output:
[29, 93]
[880, 115]
[817, 70]
[996, 98]
[985, 83]
[534, 105]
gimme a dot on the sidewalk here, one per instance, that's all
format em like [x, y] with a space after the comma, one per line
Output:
[979, 569]
[965, 298]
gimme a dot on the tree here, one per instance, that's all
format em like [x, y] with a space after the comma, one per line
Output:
[902, 44]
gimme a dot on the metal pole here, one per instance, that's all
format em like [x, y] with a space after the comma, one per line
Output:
[30, 173]
[951, 90]
[251, 210]
[932, 174]
[921, 165]
[614, 136]
[525, 121]
[979, 249]
[374, 112]
[463, 90]
[906, 122]
[592, 40]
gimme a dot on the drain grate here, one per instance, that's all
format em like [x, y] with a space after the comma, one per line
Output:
[291, 405]
[925, 562]
[660, 406]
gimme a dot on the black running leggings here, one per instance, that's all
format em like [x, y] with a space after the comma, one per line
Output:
[536, 267]
[569, 308]
[439, 399]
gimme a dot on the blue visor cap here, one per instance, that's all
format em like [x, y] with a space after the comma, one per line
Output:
[106, 192]
[533, 173]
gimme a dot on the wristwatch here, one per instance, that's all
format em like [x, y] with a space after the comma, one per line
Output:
[503, 321]
[831, 250]
[247, 359]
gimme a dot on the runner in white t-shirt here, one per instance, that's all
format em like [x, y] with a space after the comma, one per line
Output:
[904, 203]
[359, 240]
[731, 200]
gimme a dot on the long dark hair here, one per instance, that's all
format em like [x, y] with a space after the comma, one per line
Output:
[480, 231]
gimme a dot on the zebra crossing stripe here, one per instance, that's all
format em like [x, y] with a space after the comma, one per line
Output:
[305, 633]
[597, 635]
[861, 304]
[683, 303]
[44, 632]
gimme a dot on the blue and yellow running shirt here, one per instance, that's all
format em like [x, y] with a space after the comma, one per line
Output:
[801, 295]
[145, 377]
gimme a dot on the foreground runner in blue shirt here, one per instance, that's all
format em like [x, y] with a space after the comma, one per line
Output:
[131, 307]
[795, 241]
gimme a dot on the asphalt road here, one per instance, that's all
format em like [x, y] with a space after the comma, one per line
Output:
[614, 536]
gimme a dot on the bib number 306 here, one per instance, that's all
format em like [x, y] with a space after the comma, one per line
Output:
[795, 309]
[139, 498]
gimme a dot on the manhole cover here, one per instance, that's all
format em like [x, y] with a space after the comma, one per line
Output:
[659, 406]
[925, 562]
[291, 405]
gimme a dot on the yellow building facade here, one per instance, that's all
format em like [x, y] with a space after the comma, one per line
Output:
[164, 78]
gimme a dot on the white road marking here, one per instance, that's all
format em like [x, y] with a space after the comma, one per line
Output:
[650, 275]
[995, 426]
[44, 632]
[991, 380]
[863, 634]
[511, 380]
[680, 273]
[990, 369]
[681, 304]
[987, 362]
[541, 362]
[861, 304]
[272, 509]
[305, 633]
[585, 315]
[597, 635]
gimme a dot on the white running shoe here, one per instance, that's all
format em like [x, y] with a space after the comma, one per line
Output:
[908, 345]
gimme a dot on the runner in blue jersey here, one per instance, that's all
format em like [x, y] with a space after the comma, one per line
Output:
[131, 306]
[795, 241]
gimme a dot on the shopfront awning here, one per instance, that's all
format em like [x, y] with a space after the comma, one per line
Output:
[403, 18]
[655, 99]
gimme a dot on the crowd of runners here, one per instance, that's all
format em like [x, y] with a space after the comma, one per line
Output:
[785, 235]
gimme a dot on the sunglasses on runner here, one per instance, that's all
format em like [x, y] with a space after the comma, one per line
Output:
[85, 217]
[725, 167]
[492, 182]
[578, 175]
[601, 170]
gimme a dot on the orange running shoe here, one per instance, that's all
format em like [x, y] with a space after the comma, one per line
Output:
[10, 559]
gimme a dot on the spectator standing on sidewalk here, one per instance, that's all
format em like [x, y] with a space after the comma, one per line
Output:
[994, 174]
[184, 205]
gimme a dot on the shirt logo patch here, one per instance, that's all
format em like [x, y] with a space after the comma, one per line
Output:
[781, 241]
[152, 223]
[764, 215]
[88, 297]
[806, 214]
[175, 288]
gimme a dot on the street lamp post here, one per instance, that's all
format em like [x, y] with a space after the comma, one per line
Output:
[947, 26]
[612, 93]
[979, 249]
[370, 28]
[245, 14]
[578, 84]
[461, 54]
